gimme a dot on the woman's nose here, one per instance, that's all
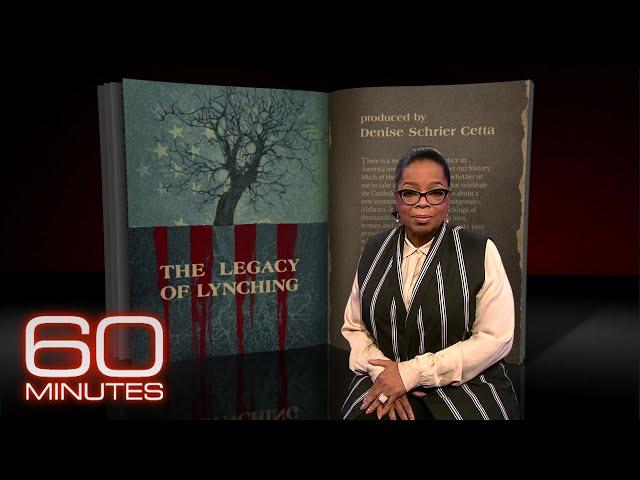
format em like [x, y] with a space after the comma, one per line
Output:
[423, 203]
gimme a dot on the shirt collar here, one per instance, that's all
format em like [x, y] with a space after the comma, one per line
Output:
[409, 248]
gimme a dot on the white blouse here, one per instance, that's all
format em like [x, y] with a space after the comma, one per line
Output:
[492, 330]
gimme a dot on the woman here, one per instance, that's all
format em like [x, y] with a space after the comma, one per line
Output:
[431, 311]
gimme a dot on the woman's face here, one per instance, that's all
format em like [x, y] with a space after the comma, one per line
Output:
[422, 220]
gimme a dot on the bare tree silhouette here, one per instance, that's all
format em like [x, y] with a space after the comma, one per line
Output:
[239, 141]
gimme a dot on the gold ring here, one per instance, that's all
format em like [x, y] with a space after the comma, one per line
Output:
[383, 398]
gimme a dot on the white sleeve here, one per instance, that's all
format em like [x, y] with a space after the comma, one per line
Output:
[491, 335]
[363, 345]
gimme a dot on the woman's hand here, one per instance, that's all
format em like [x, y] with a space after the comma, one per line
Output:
[401, 409]
[388, 383]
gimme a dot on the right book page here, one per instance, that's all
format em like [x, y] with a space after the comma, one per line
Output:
[484, 131]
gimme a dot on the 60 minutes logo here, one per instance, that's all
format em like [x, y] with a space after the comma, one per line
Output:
[52, 390]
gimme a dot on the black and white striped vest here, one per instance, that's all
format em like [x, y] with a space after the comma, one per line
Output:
[441, 313]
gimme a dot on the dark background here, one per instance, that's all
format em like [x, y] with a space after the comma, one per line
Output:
[583, 210]
[582, 300]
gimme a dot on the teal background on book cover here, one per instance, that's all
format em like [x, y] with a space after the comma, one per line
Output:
[164, 150]
[306, 318]
[199, 193]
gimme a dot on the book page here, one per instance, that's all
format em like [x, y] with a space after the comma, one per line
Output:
[483, 130]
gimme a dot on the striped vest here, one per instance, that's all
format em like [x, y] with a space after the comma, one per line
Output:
[441, 313]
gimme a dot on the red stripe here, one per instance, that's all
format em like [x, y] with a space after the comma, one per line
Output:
[201, 239]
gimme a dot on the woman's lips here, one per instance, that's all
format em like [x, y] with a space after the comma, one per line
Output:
[422, 219]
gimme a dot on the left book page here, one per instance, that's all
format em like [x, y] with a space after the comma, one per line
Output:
[226, 216]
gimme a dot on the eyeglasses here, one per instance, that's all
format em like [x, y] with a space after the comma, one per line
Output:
[434, 197]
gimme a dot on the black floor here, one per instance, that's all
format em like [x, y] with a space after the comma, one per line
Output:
[581, 360]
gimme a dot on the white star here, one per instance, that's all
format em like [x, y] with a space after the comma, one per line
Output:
[194, 151]
[177, 170]
[143, 170]
[196, 188]
[160, 150]
[176, 132]
[162, 189]
[180, 223]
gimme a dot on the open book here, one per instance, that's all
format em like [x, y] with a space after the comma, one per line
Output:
[237, 215]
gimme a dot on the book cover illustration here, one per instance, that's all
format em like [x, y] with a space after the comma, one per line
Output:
[227, 216]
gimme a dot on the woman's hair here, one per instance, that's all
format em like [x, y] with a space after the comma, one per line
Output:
[423, 152]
